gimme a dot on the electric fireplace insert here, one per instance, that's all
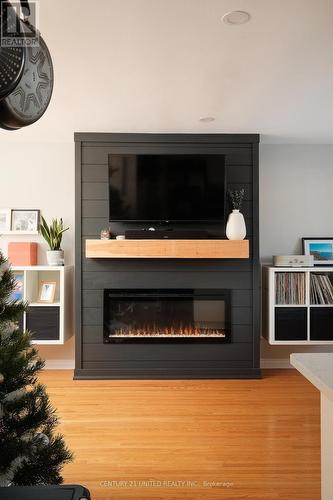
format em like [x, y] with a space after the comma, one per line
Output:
[185, 315]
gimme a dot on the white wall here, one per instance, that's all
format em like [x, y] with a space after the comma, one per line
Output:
[41, 176]
[296, 196]
[296, 200]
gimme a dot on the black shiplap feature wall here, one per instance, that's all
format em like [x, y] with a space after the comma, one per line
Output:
[240, 359]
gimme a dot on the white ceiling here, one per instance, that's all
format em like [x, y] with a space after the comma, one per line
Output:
[160, 65]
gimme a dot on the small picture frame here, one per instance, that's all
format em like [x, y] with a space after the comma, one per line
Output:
[18, 292]
[47, 292]
[25, 220]
[5, 218]
[320, 248]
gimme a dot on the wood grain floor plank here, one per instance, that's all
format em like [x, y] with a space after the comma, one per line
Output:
[191, 439]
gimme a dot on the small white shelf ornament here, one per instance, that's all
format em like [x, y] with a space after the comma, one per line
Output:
[236, 228]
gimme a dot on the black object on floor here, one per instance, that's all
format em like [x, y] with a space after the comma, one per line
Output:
[61, 492]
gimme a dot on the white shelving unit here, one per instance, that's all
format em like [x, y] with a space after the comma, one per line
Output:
[276, 327]
[51, 323]
[19, 233]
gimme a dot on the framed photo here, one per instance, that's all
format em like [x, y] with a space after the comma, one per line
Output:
[25, 220]
[17, 293]
[47, 292]
[5, 217]
[320, 248]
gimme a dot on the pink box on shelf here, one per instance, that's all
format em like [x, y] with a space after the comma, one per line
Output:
[22, 254]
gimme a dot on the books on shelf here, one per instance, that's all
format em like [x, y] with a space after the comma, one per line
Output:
[290, 288]
[321, 289]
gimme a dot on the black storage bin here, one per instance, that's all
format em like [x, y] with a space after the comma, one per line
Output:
[43, 322]
[290, 323]
[321, 323]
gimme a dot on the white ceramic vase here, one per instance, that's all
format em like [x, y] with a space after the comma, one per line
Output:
[55, 257]
[236, 228]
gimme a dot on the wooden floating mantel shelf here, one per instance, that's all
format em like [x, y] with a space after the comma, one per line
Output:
[167, 249]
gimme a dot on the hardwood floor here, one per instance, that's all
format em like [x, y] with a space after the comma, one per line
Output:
[259, 437]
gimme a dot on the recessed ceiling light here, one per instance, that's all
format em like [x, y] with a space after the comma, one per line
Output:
[207, 119]
[236, 17]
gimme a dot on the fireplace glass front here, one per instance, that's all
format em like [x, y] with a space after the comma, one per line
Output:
[185, 315]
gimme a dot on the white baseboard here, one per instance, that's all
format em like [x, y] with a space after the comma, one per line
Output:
[275, 363]
[69, 364]
[59, 364]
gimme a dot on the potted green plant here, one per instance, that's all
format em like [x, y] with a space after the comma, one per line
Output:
[52, 234]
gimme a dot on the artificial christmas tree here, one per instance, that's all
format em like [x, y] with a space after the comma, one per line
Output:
[31, 454]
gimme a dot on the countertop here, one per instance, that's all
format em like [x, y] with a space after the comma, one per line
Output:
[317, 368]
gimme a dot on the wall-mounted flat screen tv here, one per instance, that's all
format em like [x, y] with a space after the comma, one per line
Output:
[175, 188]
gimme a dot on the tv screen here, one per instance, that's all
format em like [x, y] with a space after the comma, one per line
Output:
[167, 187]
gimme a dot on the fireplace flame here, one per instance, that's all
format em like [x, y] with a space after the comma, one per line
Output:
[171, 331]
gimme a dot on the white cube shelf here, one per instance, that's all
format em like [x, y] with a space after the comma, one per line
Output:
[307, 319]
[50, 323]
